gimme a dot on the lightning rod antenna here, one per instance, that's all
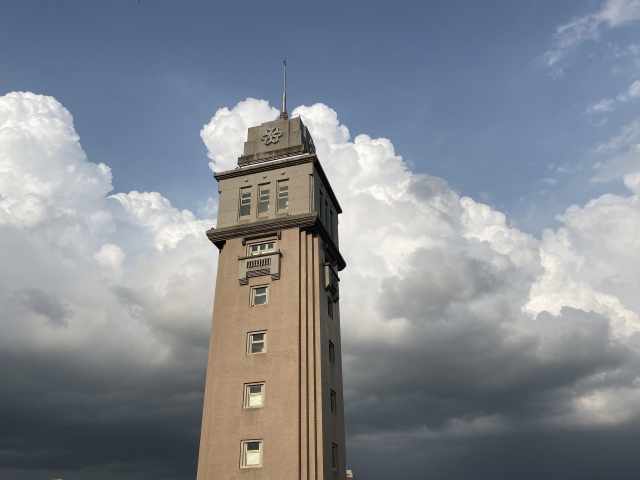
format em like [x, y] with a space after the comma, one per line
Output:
[283, 114]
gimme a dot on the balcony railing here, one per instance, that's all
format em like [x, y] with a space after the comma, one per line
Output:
[256, 266]
[259, 262]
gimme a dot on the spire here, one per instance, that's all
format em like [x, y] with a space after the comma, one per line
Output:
[283, 114]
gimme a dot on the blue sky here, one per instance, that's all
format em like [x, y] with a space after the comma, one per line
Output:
[457, 86]
[487, 159]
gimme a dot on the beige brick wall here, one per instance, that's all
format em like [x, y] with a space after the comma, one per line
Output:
[295, 424]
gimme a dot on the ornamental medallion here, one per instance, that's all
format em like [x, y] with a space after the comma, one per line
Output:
[271, 135]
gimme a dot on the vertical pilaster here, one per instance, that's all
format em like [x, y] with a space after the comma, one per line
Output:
[311, 363]
[311, 438]
[303, 358]
[317, 356]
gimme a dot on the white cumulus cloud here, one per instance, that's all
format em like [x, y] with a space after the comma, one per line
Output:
[99, 293]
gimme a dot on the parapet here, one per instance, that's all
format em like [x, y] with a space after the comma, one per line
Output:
[276, 139]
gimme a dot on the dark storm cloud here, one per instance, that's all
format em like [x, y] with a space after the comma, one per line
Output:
[588, 454]
[468, 360]
[47, 305]
[63, 412]
[438, 284]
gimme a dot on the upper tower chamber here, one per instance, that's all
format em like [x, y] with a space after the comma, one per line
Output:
[279, 183]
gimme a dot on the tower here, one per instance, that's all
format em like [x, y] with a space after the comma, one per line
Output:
[273, 406]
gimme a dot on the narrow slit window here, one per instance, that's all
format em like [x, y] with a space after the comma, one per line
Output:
[263, 204]
[259, 296]
[254, 395]
[257, 343]
[334, 456]
[245, 202]
[330, 308]
[334, 405]
[331, 223]
[326, 214]
[251, 454]
[283, 195]
[332, 353]
[321, 204]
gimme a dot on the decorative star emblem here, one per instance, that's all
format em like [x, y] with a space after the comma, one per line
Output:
[271, 135]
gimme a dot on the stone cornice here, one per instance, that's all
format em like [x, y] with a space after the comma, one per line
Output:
[306, 221]
[285, 162]
[264, 167]
[246, 160]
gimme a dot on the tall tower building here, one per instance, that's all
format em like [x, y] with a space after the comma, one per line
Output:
[273, 405]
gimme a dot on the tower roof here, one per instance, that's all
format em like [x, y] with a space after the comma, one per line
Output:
[276, 139]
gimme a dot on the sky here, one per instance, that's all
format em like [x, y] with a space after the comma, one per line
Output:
[487, 159]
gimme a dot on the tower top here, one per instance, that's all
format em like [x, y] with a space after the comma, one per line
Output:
[276, 139]
[279, 138]
[283, 113]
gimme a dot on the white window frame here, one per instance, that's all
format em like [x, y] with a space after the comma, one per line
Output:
[248, 394]
[243, 453]
[245, 190]
[266, 250]
[266, 186]
[253, 295]
[250, 342]
[287, 196]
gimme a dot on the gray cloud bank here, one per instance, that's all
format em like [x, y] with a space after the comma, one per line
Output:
[472, 349]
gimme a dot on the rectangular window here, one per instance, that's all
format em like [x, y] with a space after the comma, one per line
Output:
[332, 353]
[251, 454]
[257, 343]
[283, 195]
[331, 223]
[254, 395]
[259, 295]
[260, 248]
[330, 308]
[334, 456]
[334, 406]
[245, 202]
[263, 204]
[321, 204]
